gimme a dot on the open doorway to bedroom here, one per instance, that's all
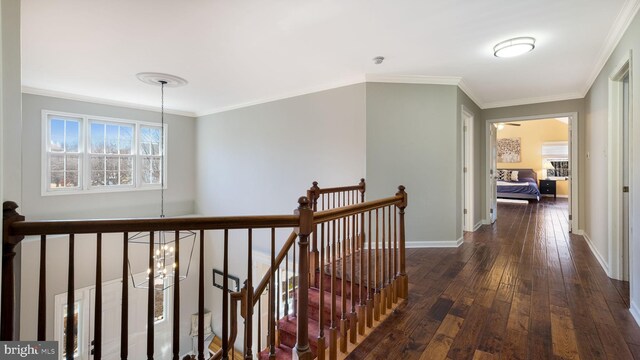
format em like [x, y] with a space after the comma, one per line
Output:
[531, 161]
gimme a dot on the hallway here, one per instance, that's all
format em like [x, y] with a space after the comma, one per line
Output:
[522, 288]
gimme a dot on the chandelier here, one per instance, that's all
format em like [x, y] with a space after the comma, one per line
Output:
[166, 244]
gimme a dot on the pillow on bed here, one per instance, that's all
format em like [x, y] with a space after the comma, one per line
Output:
[513, 175]
[502, 175]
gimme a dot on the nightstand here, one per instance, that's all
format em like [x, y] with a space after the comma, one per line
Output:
[548, 187]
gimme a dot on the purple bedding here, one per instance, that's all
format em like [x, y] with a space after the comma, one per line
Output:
[525, 188]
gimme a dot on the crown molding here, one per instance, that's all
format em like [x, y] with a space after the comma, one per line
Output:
[306, 91]
[620, 25]
[533, 100]
[414, 79]
[471, 94]
[101, 101]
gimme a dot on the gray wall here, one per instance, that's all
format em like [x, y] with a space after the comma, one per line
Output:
[180, 192]
[596, 106]
[10, 108]
[548, 108]
[413, 139]
[478, 154]
[261, 159]
[11, 101]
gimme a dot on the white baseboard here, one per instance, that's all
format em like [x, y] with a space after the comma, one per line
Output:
[596, 253]
[434, 244]
[477, 226]
[635, 312]
[578, 232]
[486, 222]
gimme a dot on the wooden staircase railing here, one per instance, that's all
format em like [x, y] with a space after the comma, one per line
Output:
[335, 223]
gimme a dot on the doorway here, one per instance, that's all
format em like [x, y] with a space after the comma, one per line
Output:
[467, 170]
[550, 160]
[620, 175]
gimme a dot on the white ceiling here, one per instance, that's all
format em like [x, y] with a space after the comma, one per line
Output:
[235, 53]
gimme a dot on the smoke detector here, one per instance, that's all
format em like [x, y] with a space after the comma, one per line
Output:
[378, 60]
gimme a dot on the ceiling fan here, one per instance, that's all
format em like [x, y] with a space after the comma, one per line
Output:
[500, 126]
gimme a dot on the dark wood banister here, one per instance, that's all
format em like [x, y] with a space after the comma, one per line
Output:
[333, 214]
[59, 227]
[303, 221]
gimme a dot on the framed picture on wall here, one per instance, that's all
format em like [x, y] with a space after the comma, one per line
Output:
[508, 150]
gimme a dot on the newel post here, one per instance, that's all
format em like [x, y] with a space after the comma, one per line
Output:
[313, 194]
[363, 188]
[403, 280]
[305, 212]
[9, 242]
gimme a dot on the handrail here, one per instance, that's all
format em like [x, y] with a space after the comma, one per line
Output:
[340, 188]
[57, 227]
[333, 214]
[278, 261]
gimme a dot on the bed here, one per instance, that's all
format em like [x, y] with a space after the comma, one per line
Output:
[526, 187]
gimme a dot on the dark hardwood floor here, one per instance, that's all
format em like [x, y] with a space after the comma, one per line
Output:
[522, 288]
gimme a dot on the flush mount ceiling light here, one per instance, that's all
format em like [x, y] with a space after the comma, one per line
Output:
[514, 47]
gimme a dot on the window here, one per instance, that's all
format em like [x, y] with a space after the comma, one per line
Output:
[111, 154]
[287, 289]
[63, 153]
[84, 154]
[150, 151]
[560, 168]
[557, 153]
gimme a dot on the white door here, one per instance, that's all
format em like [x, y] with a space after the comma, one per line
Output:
[111, 312]
[493, 200]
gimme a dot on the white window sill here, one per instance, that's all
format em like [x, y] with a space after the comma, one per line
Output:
[101, 190]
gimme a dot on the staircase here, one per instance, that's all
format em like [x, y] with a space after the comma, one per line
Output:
[341, 269]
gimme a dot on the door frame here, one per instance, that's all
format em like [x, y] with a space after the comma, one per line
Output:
[614, 168]
[573, 158]
[467, 152]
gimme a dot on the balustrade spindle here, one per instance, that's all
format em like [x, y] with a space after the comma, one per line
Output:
[260, 323]
[225, 297]
[370, 287]
[97, 332]
[124, 316]
[343, 319]
[294, 298]
[71, 302]
[321, 341]
[333, 335]
[248, 331]
[150, 297]
[272, 294]
[176, 298]
[42, 291]
[376, 295]
[389, 264]
[286, 286]
[384, 287]
[395, 256]
[353, 321]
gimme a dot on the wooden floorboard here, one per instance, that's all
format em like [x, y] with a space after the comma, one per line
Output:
[522, 288]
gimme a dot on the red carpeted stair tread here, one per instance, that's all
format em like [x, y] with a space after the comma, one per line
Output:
[288, 329]
[314, 305]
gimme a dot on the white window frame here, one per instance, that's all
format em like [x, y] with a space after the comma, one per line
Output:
[84, 176]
